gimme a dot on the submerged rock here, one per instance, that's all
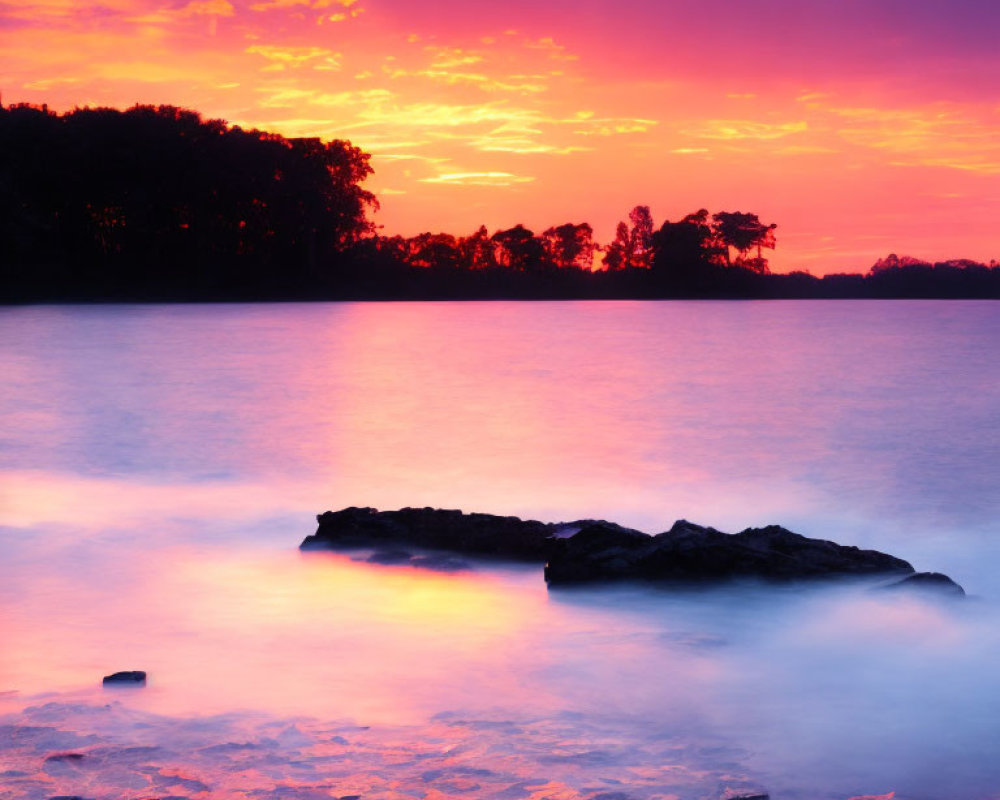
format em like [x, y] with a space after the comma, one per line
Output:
[65, 757]
[929, 582]
[587, 551]
[135, 677]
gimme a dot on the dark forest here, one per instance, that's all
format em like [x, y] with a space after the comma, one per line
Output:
[158, 204]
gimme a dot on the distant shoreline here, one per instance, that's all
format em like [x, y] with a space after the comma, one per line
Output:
[144, 299]
[157, 204]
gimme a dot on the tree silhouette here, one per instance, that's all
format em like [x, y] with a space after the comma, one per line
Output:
[157, 196]
[683, 250]
[434, 250]
[616, 254]
[519, 249]
[632, 247]
[478, 250]
[743, 232]
[570, 246]
[640, 243]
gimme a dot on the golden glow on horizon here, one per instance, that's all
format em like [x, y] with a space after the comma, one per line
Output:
[500, 125]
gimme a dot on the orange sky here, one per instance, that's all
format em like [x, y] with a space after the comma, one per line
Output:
[860, 127]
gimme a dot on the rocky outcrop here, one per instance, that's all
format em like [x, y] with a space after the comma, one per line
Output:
[589, 551]
[931, 582]
[433, 528]
[689, 552]
[135, 677]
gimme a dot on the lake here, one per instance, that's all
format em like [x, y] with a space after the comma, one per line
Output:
[159, 466]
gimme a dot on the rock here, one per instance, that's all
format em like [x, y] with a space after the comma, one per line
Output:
[929, 582]
[134, 677]
[440, 529]
[689, 552]
[587, 551]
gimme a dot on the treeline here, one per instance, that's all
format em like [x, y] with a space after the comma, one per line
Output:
[156, 203]
[696, 239]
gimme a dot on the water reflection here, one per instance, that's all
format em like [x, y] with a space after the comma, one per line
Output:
[815, 692]
[825, 416]
[160, 465]
[110, 752]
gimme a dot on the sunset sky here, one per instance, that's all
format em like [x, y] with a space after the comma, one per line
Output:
[860, 127]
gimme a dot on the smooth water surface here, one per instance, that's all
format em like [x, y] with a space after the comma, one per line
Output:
[160, 464]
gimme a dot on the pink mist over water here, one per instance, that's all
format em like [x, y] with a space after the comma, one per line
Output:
[160, 466]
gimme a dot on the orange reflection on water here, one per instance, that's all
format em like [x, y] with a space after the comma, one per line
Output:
[499, 424]
[284, 633]
[109, 752]
[279, 591]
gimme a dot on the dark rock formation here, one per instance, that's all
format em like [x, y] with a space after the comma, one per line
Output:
[440, 529]
[588, 551]
[689, 552]
[131, 678]
[929, 582]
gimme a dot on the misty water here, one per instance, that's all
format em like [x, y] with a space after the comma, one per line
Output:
[159, 466]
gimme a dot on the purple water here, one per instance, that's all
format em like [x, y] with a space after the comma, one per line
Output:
[159, 466]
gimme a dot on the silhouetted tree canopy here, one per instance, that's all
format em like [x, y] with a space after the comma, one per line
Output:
[158, 203]
[743, 232]
[94, 195]
[519, 249]
[616, 255]
[640, 240]
[570, 246]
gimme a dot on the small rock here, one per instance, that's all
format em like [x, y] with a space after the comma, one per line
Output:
[134, 677]
[930, 582]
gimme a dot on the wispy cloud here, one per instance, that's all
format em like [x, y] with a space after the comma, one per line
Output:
[446, 106]
[478, 179]
[217, 8]
[738, 129]
[288, 57]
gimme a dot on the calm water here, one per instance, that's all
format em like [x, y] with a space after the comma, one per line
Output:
[159, 466]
